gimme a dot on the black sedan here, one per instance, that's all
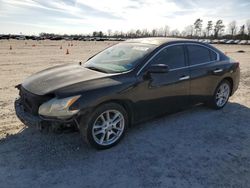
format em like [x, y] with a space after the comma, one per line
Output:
[130, 82]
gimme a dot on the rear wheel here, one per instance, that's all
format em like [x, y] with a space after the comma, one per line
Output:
[221, 95]
[106, 126]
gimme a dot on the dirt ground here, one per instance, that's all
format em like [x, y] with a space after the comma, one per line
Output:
[198, 147]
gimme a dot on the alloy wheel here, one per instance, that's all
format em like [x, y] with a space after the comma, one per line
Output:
[108, 127]
[222, 94]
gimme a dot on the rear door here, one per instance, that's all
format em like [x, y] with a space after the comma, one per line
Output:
[203, 67]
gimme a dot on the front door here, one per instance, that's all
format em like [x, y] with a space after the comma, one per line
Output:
[164, 92]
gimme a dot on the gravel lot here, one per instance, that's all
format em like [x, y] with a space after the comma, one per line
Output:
[198, 147]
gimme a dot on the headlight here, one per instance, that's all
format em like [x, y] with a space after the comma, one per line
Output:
[58, 107]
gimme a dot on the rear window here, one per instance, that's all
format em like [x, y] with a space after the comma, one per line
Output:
[199, 54]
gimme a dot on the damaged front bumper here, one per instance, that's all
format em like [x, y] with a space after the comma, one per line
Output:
[40, 122]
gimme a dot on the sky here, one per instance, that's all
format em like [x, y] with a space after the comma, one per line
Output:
[85, 16]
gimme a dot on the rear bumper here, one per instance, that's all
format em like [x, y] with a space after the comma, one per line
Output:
[37, 121]
[236, 80]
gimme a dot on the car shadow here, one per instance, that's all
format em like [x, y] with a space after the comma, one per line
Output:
[170, 147]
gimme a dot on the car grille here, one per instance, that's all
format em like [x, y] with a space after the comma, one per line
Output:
[31, 102]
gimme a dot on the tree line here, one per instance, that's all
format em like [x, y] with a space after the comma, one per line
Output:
[199, 29]
[210, 30]
[218, 30]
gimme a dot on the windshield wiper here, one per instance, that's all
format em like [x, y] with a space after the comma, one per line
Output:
[96, 69]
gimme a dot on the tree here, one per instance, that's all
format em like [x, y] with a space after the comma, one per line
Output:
[95, 34]
[160, 32]
[198, 26]
[100, 34]
[116, 34]
[154, 32]
[242, 30]
[209, 27]
[218, 28]
[166, 30]
[248, 27]
[204, 33]
[189, 30]
[232, 28]
[138, 33]
[109, 32]
[145, 33]
[175, 33]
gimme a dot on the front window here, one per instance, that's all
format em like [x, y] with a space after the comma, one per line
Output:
[172, 56]
[120, 57]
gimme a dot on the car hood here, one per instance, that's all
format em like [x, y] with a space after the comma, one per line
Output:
[66, 76]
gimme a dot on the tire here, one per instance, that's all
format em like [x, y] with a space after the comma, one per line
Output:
[103, 130]
[214, 102]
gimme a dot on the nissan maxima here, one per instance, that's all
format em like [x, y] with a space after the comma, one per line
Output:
[125, 84]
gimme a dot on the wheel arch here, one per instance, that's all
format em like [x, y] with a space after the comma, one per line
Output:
[126, 104]
[230, 80]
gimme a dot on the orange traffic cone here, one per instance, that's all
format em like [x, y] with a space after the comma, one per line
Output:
[67, 52]
[10, 47]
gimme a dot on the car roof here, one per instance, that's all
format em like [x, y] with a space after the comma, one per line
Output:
[162, 41]
[156, 40]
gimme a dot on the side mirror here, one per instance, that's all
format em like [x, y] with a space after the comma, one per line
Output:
[158, 68]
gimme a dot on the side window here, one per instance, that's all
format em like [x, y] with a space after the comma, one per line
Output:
[199, 54]
[172, 56]
[213, 55]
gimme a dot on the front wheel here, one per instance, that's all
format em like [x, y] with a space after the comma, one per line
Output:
[106, 126]
[221, 95]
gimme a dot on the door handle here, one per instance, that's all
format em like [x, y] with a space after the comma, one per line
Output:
[184, 78]
[218, 70]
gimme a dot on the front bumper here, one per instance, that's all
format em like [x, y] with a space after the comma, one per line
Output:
[39, 122]
[27, 118]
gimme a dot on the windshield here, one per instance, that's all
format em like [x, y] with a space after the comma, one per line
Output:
[119, 58]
